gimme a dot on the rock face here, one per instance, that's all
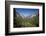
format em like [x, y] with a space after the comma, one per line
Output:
[17, 14]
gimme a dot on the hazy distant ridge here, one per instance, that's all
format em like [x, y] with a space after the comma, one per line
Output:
[22, 16]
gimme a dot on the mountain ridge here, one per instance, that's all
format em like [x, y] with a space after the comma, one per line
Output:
[22, 16]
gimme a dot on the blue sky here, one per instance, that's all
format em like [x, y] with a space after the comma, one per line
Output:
[26, 11]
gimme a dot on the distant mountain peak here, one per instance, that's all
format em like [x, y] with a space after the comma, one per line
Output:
[29, 17]
[22, 16]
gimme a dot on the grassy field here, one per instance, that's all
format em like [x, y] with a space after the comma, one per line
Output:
[20, 22]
